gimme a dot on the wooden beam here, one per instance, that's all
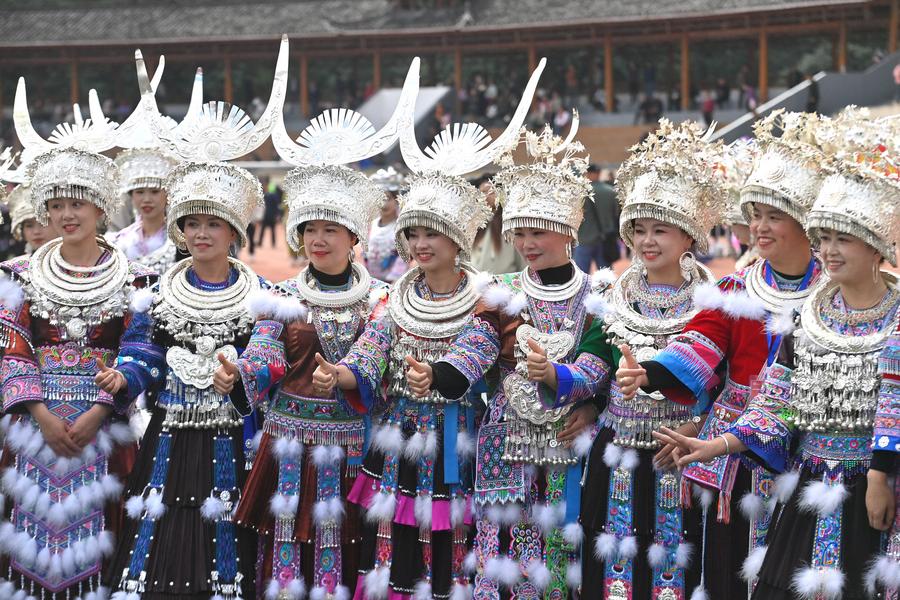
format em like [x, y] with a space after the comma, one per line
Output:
[304, 86]
[685, 72]
[229, 85]
[893, 25]
[763, 66]
[73, 81]
[376, 70]
[841, 49]
[609, 85]
[532, 57]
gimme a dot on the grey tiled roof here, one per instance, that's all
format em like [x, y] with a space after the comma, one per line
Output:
[255, 20]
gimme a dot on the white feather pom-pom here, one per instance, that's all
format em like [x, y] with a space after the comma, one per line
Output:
[606, 547]
[573, 534]
[656, 555]
[753, 563]
[822, 498]
[811, 583]
[538, 574]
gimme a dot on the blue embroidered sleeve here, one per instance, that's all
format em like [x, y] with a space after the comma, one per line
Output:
[368, 361]
[262, 365]
[764, 426]
[575, 381]
[475, 350]
[142, 362]
[887, 414]
[693, 358]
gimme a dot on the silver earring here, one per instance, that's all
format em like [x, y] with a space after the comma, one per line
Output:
[876, 273]
[352, 256]
[456, 262]
[569, 251]
[688, 264]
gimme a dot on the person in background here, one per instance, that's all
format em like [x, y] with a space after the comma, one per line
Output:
[598, 234]
[271, 212]
[24, 224]
[491, 253]
[382, 259]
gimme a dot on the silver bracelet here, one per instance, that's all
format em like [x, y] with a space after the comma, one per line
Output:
[727, 445]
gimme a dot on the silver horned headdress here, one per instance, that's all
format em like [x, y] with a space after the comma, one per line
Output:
[787, 173]
[672, 176]
[548, 192]
[221, 131]
[439, 197]
[861, 193]
[323, 187]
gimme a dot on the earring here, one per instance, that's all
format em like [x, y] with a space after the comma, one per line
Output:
[352, 255]
[569, 251]
[636, 261]
[876, 273]
[688, 264]
[456, 262]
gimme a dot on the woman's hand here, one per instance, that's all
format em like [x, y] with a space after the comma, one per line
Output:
[109, 380]
[225, 376]
[880, 501]
[691, 449]
[669, 453]
[85, 427]
[54, 430]
[324, 377]
[578, 420]
[630, 376]
[539, 368]
[419, 377]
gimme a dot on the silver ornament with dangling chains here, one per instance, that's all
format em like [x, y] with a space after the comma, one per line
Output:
[634, 420]
[835, 382]
[77, 298]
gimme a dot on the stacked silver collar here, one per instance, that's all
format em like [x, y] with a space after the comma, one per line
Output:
[432, 319]
[774, 300]
[314, 297]
[78, 297]
[190, 314]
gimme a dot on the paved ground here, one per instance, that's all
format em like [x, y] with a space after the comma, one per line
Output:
[276, 264]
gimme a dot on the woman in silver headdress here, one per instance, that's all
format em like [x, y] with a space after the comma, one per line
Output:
[812, 421]
[24, 223]
[638, 545]
[143, 171]
[312, 446]
[415, 483]
[180, 540]
[64, 313]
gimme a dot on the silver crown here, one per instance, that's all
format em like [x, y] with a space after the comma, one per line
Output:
[860, 194]
[141, 168]
[549, 192]
[330, 193]
[322, 187]
[389, 180]
[220, 131]
[218, 189]
[438, 196]
[20, 209]
[672, 176]
[787, 173]
[73, 173]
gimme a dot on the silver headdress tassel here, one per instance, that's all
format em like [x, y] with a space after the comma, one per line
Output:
[861, 193]
[671, 176]
[438, 196]
[220, 131]
[549, 192]
[323, 187]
